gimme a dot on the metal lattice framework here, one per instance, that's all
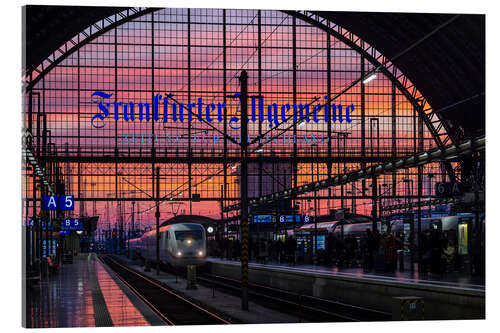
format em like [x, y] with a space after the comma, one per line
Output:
[291, 57]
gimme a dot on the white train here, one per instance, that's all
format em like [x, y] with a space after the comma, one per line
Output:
[443, 223]
[180, 244]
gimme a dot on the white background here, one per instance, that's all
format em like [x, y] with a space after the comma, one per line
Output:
[10, 161]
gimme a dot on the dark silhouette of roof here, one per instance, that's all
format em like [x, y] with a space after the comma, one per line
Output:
[189, 219]
[48, 27]
[448, 67]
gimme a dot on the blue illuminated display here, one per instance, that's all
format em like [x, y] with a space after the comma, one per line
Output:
[54, 202]
[66, 202]
[72, 224]
[49, 202]
[263, 219]
[290, 218]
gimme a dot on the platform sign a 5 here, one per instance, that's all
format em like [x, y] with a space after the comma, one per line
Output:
[49, 202]
[54, 202]
[66, 202]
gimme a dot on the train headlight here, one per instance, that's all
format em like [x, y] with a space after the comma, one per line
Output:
[189, 241]
[179, 253]
[200, 253]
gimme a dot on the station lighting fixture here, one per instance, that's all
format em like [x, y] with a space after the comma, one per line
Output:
[370, 77]
[260, 150]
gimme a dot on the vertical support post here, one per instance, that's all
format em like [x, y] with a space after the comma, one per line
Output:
[419, 215]
[157, 215]
[363, 134]
[153, 137]
[315, 243]
[419, 190]
[244, 190]
[341, 172]
[224, 160]
[259, 73]
[374, 203]
[132, 220]
[216, 231]
[116, 121]
[394, 138]
[380, 201]
[329, 124]
[190, 171]
[294, 81]
[30, 112]
[78, 97]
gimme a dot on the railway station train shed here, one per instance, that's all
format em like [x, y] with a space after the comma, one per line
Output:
[363, 158]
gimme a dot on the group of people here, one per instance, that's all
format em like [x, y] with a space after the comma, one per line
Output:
[438, 252]
[262, 250]
[373, 251]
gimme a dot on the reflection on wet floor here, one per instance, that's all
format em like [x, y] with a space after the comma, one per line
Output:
[82, 294]
[64, 300]
[121, 310]
[454, 279]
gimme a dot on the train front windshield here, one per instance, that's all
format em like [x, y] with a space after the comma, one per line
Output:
[188, 234]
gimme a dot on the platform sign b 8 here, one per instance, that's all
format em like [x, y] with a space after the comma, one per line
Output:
[290, 219]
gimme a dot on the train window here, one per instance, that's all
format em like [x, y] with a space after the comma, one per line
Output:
[185, 234]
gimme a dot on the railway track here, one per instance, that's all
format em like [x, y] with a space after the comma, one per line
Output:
[308, 308]
[171, 307]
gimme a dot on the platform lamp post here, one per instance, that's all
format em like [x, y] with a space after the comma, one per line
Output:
[374, 203]
[430, 175]
[244, 190]
[157, 215]
[315, 241]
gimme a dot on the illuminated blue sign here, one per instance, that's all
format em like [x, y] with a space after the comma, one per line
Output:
[29, 223]
[263, 219]
[49, 202]
[66, 202]
[54, 202]
[41, 225]
[72, 224]
[290, 218]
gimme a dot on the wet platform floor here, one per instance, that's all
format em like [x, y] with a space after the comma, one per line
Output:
[85, 294]
[457, 280]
